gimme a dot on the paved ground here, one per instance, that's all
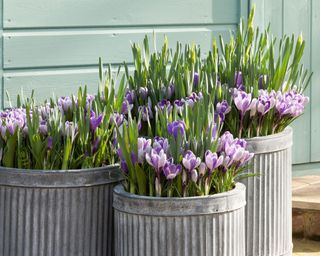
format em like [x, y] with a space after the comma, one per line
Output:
[306, 247]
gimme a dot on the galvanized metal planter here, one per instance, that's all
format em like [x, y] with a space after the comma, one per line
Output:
[211, 225]
[57, 213]
[268, 210]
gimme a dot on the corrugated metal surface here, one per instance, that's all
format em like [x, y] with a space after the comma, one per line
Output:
[268, 210]
[178, 227]
[54, 218]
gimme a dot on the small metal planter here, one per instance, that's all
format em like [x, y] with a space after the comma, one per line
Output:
[57, 213]
[268, 210]
[210, 225]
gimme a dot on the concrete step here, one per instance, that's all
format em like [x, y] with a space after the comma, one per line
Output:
[304, 247]
[306, 207]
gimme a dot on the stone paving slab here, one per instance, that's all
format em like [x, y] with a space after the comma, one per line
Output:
[303, 247]
[306, 192]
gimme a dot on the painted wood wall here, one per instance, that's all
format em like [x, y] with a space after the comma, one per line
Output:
[53, 46]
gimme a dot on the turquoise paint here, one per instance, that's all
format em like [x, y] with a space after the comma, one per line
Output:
[53, 46]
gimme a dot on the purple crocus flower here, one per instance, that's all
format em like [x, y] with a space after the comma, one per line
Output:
[165, 104]
[171, 170]
[222, 108]
[156, 159]
[65, 103]
[146, 113]
[224, 140]
[144, 147]
[126, 107]
[202, 169]
[179, 105]
[124, 167]
[196, 79]
[238, 81]
[143, 92]
[130, 96]
[212, 160]
[194, 175]
[262, 81]
[43, 129]
[176, 127]
[116, 119]
[243, 101]
[49, 143]
[190, 161]
[160, 143]
[95, 121]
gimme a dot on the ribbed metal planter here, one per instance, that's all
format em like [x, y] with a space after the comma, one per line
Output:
[211, 225]
[57, 213]
[268, 210]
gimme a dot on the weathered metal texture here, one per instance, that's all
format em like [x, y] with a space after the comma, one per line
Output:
[268, 210]
[211, 225]
[57, 213]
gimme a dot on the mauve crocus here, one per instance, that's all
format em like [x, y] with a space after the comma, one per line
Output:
[146, 113]
[95, 121]
[224, 140]
[156, 159]
[177, 127]
[262, 81]
[238, 81]
[43, 129]
[90, 98]
[143, 93]
[243, 101]
[160, 143]
[49, 143]
[144, 147]
[126, 107]
[165, 104]
[179, 106]
[190, 161]
[202, 169]
[222, 108]
[124, 166]
[196, 79]
[130, 96]
[65, 103]
[194, 175]
[171, 170]
[265, 102]
[116, 119]
[212, 160]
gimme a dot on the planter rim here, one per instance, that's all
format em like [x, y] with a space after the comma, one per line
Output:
[60, 178]
[179, 206]
[270, 143]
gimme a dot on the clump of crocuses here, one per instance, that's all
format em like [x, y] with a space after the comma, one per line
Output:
[188, 157]
[268, 113]
[70, 133]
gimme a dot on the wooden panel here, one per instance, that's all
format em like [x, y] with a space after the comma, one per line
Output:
[48, 83]
[83, 47]
[315, 89]
[91, 13]
[297, 20]
[1, 54]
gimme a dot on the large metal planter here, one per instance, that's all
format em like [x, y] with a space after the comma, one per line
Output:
[211, 225]
[57, 213]
[268, 210]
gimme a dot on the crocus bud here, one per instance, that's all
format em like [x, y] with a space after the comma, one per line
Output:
[202, 169]
[194, 175]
